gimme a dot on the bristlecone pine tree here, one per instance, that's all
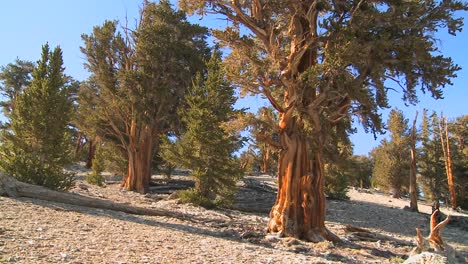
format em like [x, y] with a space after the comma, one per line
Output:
[317, 62]
[206, 147]
[141, 78]
[37, 145]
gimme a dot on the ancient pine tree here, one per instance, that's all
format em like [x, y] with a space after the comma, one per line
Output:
[318, 62]
[141, 77]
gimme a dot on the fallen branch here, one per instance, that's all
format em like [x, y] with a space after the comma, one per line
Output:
[13, 188]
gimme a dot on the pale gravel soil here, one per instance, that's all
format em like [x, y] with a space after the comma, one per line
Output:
[34, 231]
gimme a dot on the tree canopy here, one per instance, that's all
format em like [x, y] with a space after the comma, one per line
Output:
[206, 147]
[140, 79]
[321, 62]
[37, 143]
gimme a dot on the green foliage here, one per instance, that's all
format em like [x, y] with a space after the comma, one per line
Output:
[114, 160]
[205, 147]
[36, 146]
[265, 134]
[432, 167]
[192, 196]
[431, 162]
[336, 182]
[459, 137]
[139, 78]
[13, 79]
[392, 158]
[337, 168]
[348, 50]
[360, 171]
[95, 177]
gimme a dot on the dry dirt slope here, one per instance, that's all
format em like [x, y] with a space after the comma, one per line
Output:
[34, 231]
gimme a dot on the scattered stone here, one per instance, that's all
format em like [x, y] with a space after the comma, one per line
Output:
[65, 256]
[272, 238]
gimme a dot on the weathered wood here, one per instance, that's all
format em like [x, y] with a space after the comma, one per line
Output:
[432, 249]
[413, 184]
[448, 160]
[12, 188]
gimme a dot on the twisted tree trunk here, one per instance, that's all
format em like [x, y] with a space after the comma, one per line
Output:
[299, 210]
[140, 153]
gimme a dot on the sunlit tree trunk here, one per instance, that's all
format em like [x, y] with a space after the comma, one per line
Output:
[140, 153]
[448, 160]
[299, 210]
[413, 184]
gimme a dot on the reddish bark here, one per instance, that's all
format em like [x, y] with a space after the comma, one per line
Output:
[299, 210]
[266, 159]
[413, 185]
[448, 162]
[140, 153]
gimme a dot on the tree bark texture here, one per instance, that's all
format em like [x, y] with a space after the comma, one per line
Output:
[413, 184]
[299, 210]
[91, 153]
[140, 153]
[444, 137]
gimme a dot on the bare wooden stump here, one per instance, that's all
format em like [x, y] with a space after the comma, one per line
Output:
[432, 249]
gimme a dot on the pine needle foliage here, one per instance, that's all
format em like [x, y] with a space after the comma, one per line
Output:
[36, 147]
[392, 158]
[205, 147]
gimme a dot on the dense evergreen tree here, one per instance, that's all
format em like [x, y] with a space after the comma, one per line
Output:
[36, 146]
[141, 76]
[392, 158]
[459, 136]
[360, 171]
[431, 163]
[317, 62]
[206, 148]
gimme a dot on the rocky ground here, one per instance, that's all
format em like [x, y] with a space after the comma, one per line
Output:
[35, 231]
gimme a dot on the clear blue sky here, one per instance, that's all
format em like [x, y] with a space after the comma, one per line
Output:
[28, 24]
